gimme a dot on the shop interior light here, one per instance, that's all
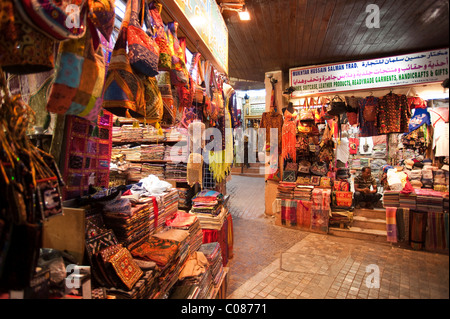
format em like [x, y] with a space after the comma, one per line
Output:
[244, 15]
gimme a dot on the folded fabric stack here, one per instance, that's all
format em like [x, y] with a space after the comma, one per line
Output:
[286, 190]
[134, 171]
[445, 204]
[429, 200]
[176, 135]
[214, 255]
[152, 152]
[116, 134]
[185, 196]
[207, 205]
[152, 169]
[176, 172]
[407, 200]
[439, 181]
[176, 154]
[189, 222]
[427, 177]
[343, 217]
[150, 134]
[167, 207]
[130, 225]
[169, 275]
[131, 134]
[303, 192]
[132, 153]
[391, 199]
[145, 288]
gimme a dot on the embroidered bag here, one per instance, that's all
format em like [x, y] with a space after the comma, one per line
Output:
[60, 20]
[198, 92]
[165, 55]
[24, 50]
[343, 198]
[319, 168]
[124, 91]
[154, 107]
[102, 14]
[306, 115]
[79, 79]
[179, 74]
[143, 51]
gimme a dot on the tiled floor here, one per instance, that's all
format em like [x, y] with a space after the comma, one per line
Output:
[276, 262]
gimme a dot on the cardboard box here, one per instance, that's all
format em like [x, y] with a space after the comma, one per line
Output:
[66, 232]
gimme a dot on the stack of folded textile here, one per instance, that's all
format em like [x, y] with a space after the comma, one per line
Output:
[303, 192]
[131, 153]
[286, 190]
[214, 255]
[176, 154]
[131, 134]
[145, 288]
[207, 205]
[185, 198]
[169, 275]
[152, 169]
[407, 200]
[116, 134]
[195, 280]
[150, 134]
[429, 200]
[189, 222]
[152, 152]
[176, 172]
[129, 223]
[391, 199]
[167, 207]
[134, 171]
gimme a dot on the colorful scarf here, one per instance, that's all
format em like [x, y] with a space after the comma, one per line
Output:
[391, 224]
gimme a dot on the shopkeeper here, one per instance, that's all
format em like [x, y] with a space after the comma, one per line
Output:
[366, 189]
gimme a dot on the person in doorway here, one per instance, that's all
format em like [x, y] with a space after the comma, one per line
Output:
[366, 189]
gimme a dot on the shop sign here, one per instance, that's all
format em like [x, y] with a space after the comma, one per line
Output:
[409, 69]
[205, 17]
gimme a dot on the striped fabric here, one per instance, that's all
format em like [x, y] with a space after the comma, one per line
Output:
[391, 224]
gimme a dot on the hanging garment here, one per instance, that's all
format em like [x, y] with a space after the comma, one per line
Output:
[420, 117]
[438, 115]
[393, 114]
[416, 102]
[440, 139]
[367, 116]
[271, 120]
[289, 132]
[353, 145]
[343, 151]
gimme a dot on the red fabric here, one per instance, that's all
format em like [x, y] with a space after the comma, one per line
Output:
[220, 236]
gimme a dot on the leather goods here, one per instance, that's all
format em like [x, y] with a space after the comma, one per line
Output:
[337, 106]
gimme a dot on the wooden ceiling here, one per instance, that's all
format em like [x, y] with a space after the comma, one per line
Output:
[284, 34]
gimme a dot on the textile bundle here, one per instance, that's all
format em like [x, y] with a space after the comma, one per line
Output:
[189, 222]
[213, 254]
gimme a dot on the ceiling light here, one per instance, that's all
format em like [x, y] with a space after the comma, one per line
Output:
[244, 15]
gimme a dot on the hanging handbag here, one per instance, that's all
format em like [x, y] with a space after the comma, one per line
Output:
[165, 88]
[124, 91]
[79, 79]
[154, 108]
[102, 15]
[198, 92]
[179, 74]
[143, 51]
[60, 20]
[306, 115]
[165, 56]
[337, 106]
[24, 50]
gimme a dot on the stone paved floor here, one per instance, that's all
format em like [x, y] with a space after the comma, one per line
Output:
[276, 262]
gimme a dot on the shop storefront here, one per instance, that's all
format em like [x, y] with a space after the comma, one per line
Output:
[389, 115]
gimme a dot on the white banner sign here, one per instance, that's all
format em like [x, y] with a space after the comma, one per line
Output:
[408, 69]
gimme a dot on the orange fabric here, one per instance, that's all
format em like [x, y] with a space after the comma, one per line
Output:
[289, 133]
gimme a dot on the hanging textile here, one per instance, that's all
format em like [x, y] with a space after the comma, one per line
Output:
[402, 221]
[271, 120]
[367, 116]
[87, 155]
[436, 233]
[391, 224]
[393, 114]
[289, 136]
